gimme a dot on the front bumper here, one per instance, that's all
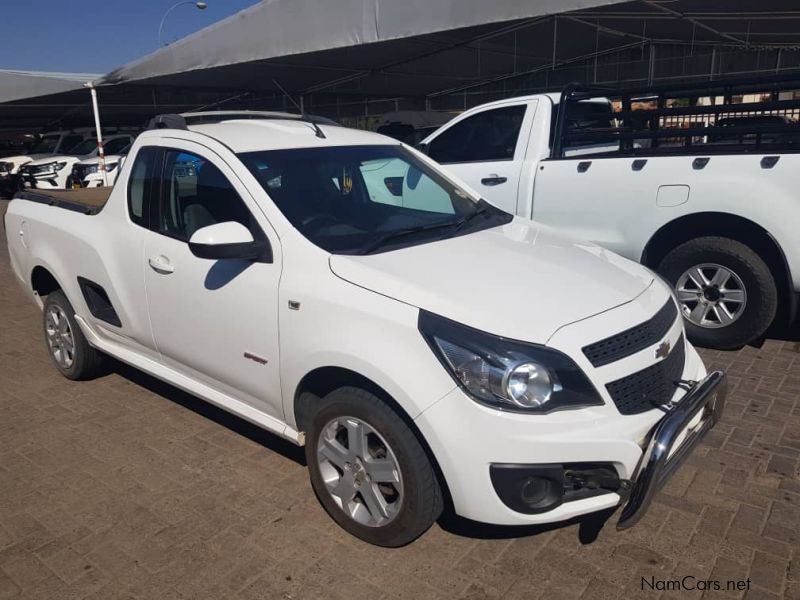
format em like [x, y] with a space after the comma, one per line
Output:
[672, 440]
[470, 440]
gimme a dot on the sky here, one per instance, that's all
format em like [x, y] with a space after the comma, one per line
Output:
[95, 36]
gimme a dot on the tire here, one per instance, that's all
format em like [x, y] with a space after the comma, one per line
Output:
[411, 493]
[729, 324]
[62, 332]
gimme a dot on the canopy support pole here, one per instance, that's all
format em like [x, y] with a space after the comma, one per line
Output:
[100, 153]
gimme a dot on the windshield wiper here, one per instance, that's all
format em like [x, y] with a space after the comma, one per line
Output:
[481, 209]
[391, 235]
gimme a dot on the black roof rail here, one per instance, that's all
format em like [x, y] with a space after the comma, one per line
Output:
[167, 121]
[182, 121]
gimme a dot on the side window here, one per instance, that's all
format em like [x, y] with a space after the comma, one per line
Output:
[142, 183]
[195, 194]
[487, 136]
[595, 118]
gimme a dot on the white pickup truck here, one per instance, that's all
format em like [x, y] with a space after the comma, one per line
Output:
[424, 350]
[703, 194]
[50, 144]
[56, 172]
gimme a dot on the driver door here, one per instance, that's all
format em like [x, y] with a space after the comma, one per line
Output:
[213, 320]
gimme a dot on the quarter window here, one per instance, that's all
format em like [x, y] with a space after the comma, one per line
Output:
[141, 184]
[487, 136]
[195, 194]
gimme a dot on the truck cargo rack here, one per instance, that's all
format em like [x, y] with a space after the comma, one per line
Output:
[677, 124]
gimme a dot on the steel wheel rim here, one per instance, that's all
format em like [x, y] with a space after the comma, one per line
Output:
[59, 336]
[711, 296]
[360, 471]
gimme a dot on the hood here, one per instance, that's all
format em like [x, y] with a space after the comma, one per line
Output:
[22, 158]
[521, 280]
[53, 158]
[96, 160]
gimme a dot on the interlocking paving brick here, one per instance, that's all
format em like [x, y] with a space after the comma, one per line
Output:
[126, 488]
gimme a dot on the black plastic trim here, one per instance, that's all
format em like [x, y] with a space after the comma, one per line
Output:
[634, 339]
[98, 302]
[41, 198]
[260, 251]
[559, 483]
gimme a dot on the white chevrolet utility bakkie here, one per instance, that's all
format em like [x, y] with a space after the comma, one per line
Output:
[432, 352]
[696, 181]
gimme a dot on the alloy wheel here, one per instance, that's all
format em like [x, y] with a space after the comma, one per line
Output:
[59, 336]
[360, 471]
[711, 296]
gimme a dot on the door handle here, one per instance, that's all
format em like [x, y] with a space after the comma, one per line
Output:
[160, 264]
[493, 179]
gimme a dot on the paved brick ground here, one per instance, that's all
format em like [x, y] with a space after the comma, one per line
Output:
[124, 487]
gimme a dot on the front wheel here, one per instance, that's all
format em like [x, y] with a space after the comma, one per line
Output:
[369, 471]
[726, 292]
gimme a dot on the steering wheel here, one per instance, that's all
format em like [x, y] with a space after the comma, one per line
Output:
[319, 221]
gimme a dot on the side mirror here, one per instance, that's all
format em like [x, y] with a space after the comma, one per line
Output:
[226, 241]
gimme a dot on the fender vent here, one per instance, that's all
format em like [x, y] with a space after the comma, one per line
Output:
[98, 302]
[634, 339]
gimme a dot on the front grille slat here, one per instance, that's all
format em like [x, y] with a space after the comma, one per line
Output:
[632, 340]
[650, 387]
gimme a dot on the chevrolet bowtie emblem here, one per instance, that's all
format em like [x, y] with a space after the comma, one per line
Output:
[663, 349]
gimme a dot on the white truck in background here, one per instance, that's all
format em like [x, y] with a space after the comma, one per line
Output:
[55, 172]
[706, 195]
[87, 173]
[50, 144]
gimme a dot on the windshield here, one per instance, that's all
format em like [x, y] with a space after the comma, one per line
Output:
[85, 147]
[365, 199]
[47, 145]
[117, 146]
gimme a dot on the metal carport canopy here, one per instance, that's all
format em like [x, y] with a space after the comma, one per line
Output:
[18, 85]
[309, 45]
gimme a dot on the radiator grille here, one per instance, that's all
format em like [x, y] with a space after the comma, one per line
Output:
[650, 387]
[634, 339]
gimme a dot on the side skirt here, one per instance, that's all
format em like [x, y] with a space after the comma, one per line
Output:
[203, 391]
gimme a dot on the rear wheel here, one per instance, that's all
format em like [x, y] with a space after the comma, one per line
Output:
[726, 292]
[369, 471]
[71, 353]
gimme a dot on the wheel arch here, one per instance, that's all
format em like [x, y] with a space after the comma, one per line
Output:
[731, 226]
[43, 282]
[323, 380]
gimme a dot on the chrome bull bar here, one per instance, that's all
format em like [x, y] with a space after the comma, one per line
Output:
[659, 461]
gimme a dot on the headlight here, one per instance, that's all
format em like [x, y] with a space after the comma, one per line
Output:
[52, 167]
[507, 374]
[110, 167]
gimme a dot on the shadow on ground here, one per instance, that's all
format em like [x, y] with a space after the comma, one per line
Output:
[589, 526]
[209, 411]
